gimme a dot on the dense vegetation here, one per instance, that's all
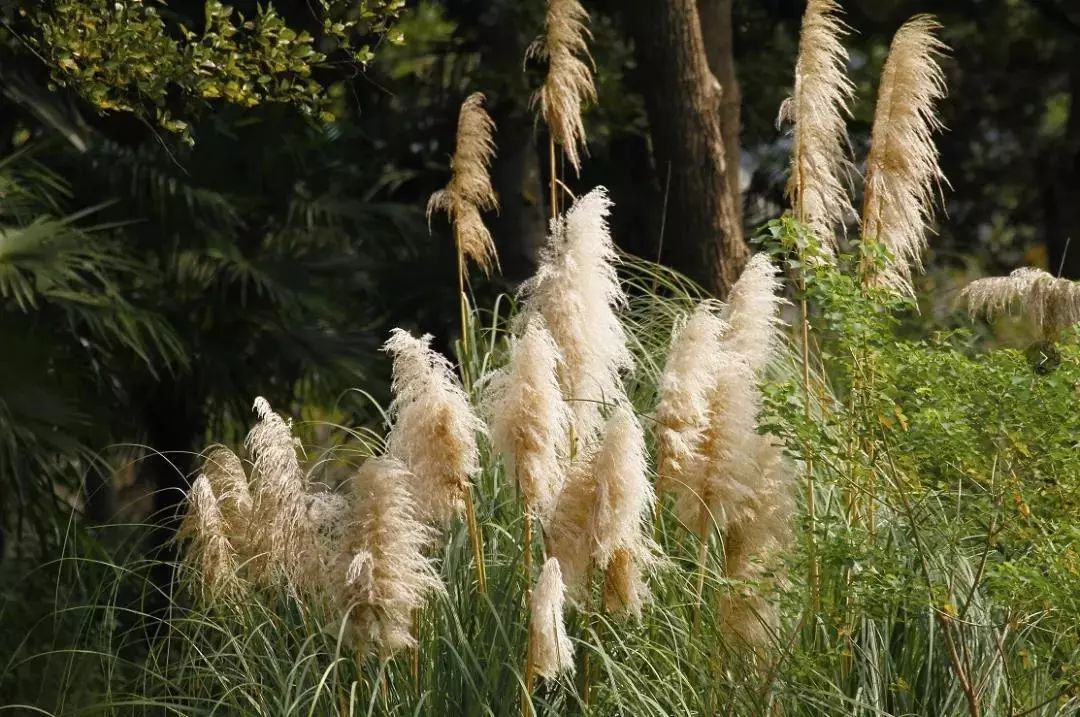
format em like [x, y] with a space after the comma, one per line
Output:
[864, 501]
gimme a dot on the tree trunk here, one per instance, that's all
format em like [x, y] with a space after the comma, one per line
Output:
[717, 32]
[703, 236]
[1063, 227]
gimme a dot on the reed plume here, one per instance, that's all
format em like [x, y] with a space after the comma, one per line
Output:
[209, 552]
[819, 108]
[752, 312]
[1050, 303]
[528, 419]
[576, 290]
[225, 472]
[470, 192]
[550, 651]
[682, 412]
[569, 82]
[599, 521]
[434, 426]
[383, 574]
[902, 171]
[281, 538]
[752, 545]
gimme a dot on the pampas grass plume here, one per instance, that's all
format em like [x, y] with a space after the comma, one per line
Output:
[280, 535]
[209, 552]
[528, 419]
[569, 83]
[690, 370]
[819, 108]
[1052, 304]
[435, 429]
[576, 291]
[551, 651]
[753, 313]
[383, 572]
[225, 472]
[470, 192]
[902, 171]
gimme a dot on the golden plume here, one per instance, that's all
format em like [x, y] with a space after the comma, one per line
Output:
[902, 171]
[569, 83]
[820, 164]
[1052, 304]
[470, 192]
[209, 553]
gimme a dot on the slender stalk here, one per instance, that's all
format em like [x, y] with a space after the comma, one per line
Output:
[415, 656]
[463, 302]
[807, 457]
[554, 179]
[477, 541]
[527, 540]
[702, 556]
[586, 664]
[530, 680]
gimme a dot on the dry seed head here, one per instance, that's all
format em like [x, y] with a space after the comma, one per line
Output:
[470, 192]
[551, 650]
[209, 551]
[624, 496]
[528, 419]
[383, 575]
[280, 537]
[719, 484]
[576, 291]
[569, 83]
[1052, 304]
[570, 537]
[682, 412]
[225, 471]
[753, 313]
[902, 171]
[435, 428]
[820, 165]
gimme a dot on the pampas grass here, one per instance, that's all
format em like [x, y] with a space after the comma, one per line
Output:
[683, 412]
[280, 536]
[569, 83]
[209, 551]
[225, 472]
[550, 651]
[752, 312]
[819, 107]
[1050, 303]
[470, 192]
[576, 290]
[434, 427]
[902, 171]
[528, 419]
[383, 574]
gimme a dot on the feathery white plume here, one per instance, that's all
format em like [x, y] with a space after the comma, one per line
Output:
[551, 650]
[682, 412]
[209, 552]
[600, 515]
[569, 83]
[280, 536]
[528, 419]
[435, 428]
[1052, 304]
[470, 192]
[382, 571]
[902, 172]
[753, 313]
[820, 165]
[576, 290]
[225, 471]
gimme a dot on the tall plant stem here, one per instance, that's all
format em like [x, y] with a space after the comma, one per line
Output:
[554, 179]
[586, 664]
[527, 540]
[414, 658]
[702, 557]
[808, 459]
[530, 678]
[470, 510]
[477, 541]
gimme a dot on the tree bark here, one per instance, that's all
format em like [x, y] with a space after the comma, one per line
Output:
[703, 236]
[718, 33]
